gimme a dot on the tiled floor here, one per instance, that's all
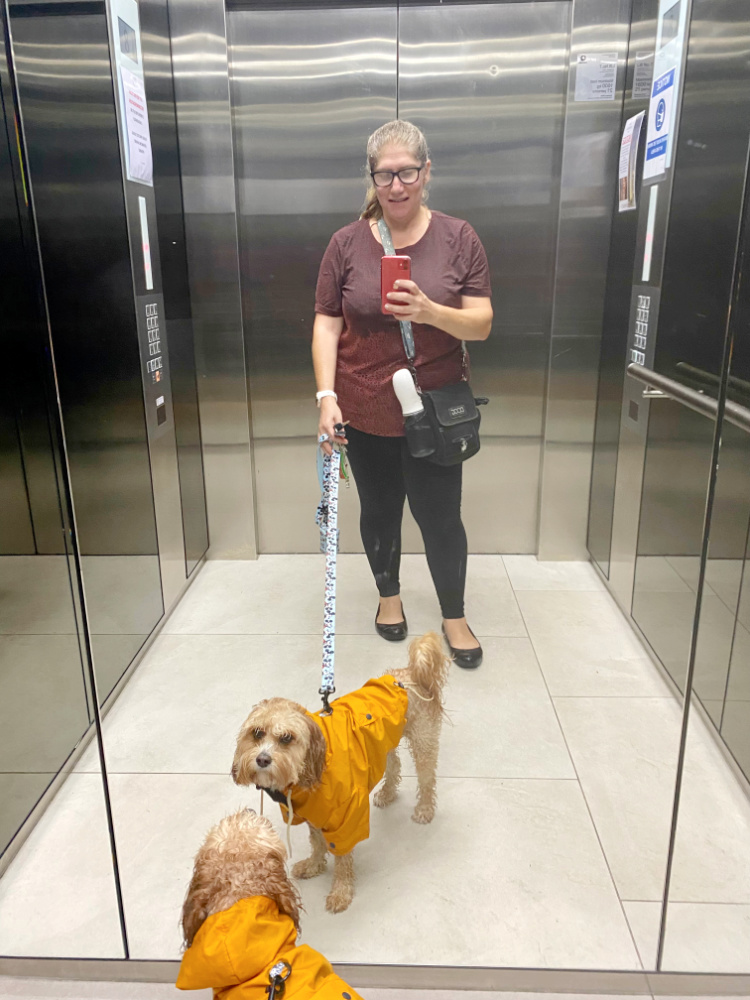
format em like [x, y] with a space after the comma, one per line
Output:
[556, 778]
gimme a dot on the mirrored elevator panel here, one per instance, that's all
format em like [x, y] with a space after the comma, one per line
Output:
[695, 298]
[486, 82]
[57, 887]
[74, 162]
[308, 86]
[614, 333]
[170, 227]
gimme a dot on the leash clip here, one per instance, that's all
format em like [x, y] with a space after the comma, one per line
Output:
[327, 709]
[278, 977]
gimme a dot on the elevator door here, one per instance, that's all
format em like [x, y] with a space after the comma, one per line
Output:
[486, 83]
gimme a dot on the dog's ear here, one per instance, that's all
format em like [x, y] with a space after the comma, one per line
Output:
[315, 760]
[279, 887]
[194, 910]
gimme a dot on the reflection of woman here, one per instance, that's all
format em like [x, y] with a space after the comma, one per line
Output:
[356, 350]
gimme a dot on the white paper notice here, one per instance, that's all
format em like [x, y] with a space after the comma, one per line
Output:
[596, 76]
[643, 74]
[628, 159]
[140, 159]
[659, 125]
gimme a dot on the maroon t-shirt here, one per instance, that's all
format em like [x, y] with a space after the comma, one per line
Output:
[446, 263]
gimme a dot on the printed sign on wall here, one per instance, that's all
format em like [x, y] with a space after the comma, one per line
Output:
[139, 163]
[596, 76]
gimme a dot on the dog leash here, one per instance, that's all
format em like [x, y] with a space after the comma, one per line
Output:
[330, 470]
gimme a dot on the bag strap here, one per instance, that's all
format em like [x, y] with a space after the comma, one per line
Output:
[407, 336]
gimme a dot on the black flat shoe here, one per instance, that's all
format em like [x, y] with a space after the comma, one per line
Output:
[393, 633]
[468, 659]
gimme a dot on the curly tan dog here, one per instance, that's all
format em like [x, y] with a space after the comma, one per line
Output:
[241, 918]
[321, 769]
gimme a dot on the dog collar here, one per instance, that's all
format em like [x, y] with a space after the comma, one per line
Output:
[275, 794]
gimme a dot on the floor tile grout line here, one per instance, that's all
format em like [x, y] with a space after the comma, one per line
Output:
[220, 774]
[295, 635]
[585, 798]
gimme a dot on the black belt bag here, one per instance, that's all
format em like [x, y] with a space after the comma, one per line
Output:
[446, 432]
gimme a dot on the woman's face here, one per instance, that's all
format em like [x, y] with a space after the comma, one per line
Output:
[401, 202]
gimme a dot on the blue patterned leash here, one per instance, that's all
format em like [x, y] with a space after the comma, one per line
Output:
[330, 468]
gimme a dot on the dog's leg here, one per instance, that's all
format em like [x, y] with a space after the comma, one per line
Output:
[389, 789]
[425, 742]
[342, 890]
[316, 863]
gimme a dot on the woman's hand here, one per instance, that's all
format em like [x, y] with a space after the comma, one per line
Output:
[409, 302]
[330, 415]
[473, 321]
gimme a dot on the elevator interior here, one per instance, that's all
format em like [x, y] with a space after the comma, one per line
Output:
[258, 117]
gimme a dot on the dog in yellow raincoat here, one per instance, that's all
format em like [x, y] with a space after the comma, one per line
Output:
[322, 768]
[241, 918]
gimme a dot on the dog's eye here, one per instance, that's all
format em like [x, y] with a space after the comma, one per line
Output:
[286, 738]
[258, 734]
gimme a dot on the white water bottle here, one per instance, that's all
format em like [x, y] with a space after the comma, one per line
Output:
[420, 436]
[406, 391]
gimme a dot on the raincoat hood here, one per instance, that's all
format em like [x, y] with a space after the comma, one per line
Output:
[234, 951]
[362, 729]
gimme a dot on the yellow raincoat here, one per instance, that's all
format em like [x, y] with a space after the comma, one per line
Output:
[363, 727]
[234, 951]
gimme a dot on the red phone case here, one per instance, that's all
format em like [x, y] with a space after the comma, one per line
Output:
[391, 269]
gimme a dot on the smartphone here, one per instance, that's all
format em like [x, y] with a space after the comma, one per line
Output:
[391, 269]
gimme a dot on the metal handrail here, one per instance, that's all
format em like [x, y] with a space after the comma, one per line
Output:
[738, 416]
[702, 376]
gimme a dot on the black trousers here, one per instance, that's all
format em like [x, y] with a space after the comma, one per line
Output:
[386, 474]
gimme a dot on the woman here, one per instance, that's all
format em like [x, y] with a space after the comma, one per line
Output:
[356, 350]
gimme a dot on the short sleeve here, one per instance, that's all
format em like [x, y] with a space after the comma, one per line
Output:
[328, 289]
[477, 280]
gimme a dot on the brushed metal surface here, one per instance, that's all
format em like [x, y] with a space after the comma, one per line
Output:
[621, 256]
[201, 87]
[74, 165]
[170, 235]
[486, 82]
[162, 441]
[693, 323]
[587, 195]
[308, 87]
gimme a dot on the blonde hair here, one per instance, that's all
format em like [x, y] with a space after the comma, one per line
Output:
[395, 133]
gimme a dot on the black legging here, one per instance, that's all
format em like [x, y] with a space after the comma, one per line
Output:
[385, 474]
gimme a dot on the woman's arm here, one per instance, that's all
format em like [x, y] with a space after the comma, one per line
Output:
[473, 321]
[325, 346]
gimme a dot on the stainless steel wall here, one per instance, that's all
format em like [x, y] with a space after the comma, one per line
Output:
[486, 82]
[587, 198]
[201, 85]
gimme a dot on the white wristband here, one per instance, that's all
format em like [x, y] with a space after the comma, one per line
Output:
[324, 393]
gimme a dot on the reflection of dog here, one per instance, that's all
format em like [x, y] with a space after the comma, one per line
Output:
[325, 767]
[241, 917]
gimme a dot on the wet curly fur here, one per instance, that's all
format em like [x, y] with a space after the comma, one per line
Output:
[241, 857]
[292, 751]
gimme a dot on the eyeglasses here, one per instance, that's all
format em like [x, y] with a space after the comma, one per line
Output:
[384, 178]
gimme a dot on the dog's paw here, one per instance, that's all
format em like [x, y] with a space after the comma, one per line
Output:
[383, 797]
[309, 868]
[423, 814]
[339, 898]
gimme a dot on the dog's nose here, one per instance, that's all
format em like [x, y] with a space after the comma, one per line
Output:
[263, 760]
